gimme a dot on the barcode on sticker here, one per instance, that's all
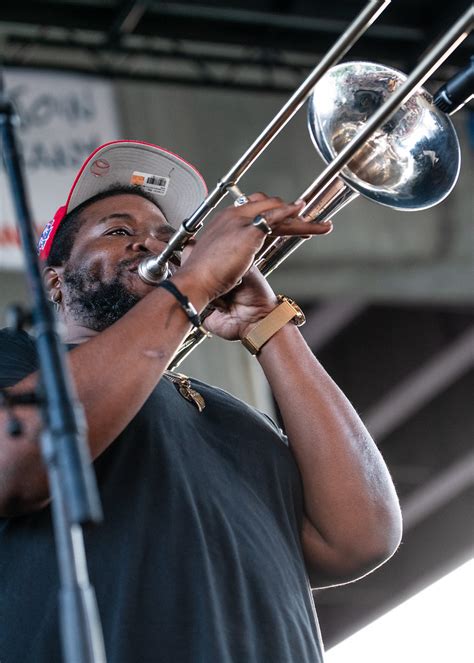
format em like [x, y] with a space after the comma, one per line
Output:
[159, 181]
[156, 184]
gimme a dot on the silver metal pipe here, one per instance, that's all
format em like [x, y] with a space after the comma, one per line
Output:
[153, 269]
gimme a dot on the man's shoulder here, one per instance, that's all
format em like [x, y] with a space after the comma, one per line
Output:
[16, 340]
[240, 408]
[17, 356]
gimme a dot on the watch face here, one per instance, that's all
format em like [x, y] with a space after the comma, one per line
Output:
[300, 317]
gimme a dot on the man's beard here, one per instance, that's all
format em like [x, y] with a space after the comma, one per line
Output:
[96, 304]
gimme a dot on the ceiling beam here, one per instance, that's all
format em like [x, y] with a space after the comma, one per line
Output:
[421, 386]
[286, 21]
[437, 492]
[128, 17]
[322, 325]
[95, 16]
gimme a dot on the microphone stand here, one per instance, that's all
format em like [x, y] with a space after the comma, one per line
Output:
[75, 500]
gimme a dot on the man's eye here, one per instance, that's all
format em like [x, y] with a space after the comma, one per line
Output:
[118, 231]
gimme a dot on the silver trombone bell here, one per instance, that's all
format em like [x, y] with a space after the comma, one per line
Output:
[412, 162]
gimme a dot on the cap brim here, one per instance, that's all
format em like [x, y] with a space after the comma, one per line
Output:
[174, 184]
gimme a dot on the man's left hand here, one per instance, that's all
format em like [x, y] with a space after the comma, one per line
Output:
[238, 311]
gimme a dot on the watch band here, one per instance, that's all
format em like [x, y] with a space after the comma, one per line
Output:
[264, 330]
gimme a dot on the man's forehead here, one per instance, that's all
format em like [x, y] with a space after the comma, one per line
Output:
[128, 207]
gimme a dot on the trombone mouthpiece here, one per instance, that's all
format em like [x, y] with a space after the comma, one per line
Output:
[153, 270]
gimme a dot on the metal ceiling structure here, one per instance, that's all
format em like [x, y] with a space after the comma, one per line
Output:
[407, 368]
[261, 45]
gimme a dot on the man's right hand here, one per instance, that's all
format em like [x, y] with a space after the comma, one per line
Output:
[225, 249]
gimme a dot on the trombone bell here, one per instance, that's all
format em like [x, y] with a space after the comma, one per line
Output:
[412, 162]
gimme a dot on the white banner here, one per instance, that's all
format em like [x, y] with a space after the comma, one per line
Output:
[64, 117]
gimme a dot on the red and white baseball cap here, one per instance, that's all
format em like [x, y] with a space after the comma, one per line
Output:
[175, 185]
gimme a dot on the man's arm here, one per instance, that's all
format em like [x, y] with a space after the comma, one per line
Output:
[353, 520]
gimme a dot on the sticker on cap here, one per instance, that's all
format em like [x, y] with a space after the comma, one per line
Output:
[156, 184]
[100, 167]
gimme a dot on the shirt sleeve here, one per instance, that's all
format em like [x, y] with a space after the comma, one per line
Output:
[17, 356]
[278, 430]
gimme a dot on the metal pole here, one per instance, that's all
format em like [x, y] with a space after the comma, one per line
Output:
[63, 443]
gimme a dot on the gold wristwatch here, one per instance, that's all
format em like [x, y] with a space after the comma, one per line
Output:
[286, 310]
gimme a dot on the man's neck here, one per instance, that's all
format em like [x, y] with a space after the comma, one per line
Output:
[75, 333]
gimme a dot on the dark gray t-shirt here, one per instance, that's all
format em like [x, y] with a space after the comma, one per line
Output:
[199, 558]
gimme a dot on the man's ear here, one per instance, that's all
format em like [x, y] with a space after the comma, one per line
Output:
[52, 279]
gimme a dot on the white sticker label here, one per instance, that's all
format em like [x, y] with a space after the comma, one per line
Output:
[157, 184]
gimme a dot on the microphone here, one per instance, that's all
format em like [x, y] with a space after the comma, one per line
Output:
[453, 95]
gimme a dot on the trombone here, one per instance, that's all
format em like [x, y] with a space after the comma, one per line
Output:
[380, 134]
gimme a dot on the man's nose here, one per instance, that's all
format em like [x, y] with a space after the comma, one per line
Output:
[148, 244]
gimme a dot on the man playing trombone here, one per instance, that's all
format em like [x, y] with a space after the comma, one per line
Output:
[217, 524]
